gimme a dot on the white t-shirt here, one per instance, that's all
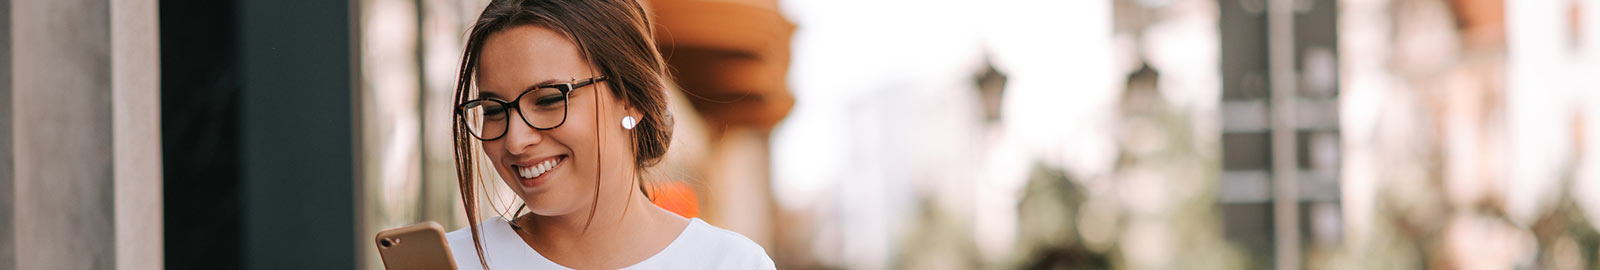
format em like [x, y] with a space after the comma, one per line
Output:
[699, 246]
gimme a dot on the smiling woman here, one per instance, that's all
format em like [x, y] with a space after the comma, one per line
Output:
[566, 99]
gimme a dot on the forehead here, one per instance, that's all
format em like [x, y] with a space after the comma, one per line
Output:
[522, 56]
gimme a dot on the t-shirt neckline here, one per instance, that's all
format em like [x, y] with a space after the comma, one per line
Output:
[508, 236]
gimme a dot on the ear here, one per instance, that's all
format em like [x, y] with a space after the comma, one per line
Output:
[618, 101]
[631, 111]
[627, 108]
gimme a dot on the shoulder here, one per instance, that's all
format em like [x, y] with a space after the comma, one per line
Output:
[459, 236]
[727, 249]
[459, 239]
[502, 248]
[462, 247]
[723, 237]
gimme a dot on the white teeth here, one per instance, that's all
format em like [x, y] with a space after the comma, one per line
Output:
[525, 172]
[538, 169]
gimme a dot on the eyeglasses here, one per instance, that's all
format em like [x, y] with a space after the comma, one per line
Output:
[541, 107]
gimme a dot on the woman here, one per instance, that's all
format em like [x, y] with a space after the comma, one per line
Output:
[570, 109]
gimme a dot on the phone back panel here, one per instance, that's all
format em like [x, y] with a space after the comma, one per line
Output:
[419, 246]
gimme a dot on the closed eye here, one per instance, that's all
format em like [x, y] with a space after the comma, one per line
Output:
[548, 101]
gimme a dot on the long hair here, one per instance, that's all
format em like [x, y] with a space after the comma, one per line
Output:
[616, 38]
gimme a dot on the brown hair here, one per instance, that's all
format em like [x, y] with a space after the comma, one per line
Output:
[615, 36]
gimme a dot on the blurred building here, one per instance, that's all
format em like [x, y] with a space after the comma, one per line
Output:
[1280, 181]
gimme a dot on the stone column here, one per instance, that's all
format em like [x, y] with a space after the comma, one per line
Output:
[81, 181]
[136, 133]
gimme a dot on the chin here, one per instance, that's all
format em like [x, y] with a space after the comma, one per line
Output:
[549, 204]
[548, 211]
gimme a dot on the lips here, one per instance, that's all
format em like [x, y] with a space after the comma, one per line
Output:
[529, 172]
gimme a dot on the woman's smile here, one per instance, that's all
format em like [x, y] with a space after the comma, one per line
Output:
[538, 171]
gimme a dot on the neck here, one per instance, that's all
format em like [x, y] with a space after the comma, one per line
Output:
[624, 211]
[624, 231]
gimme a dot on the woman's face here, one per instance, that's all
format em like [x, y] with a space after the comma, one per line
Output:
[521, 57]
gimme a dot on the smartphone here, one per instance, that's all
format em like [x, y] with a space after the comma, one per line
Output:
[419, 246]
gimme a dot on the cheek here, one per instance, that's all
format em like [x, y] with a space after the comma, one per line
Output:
[578, 137]
[579, 140]
[495, 152]
[577, 134]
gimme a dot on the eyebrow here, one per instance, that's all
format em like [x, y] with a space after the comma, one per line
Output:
[541, 84]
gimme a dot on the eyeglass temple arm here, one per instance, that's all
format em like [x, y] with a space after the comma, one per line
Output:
[588, 82]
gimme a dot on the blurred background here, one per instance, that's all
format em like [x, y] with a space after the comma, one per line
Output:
[840, 134]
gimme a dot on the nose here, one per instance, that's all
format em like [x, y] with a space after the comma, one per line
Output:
[520, 137]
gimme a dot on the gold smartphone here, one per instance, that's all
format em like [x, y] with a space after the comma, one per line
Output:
[419, 246]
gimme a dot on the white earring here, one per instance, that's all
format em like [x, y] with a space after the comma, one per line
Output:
[628, 122]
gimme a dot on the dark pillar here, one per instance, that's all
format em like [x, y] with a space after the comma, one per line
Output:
[297, 128]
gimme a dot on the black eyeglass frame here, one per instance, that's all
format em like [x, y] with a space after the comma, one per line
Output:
[566, 92]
